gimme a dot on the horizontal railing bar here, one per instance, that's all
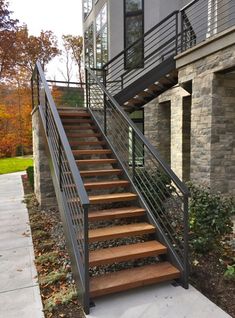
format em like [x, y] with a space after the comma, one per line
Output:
[152, 150]
[65, 82]
[74, 169]
[141, 38]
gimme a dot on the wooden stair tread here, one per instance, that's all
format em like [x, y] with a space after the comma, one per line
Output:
[87, 143]
[74, 114]
[114, 197]
[79, 127]
[88, 173]
[106, 184]
[132, 278]
[132, 211]
[76, 121]
[91, 152]
[125, 252]
[83, 135]
[96, 161]
[113, 232]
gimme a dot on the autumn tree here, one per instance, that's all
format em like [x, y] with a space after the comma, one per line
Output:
[43, 48]
[8, 47]
[75, 45]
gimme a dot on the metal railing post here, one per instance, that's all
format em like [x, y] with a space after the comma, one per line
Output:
[177, 32]
[87, 88]
[133, 154]
[38, 88]
[60, 163]
[46, 106]
[32, 93]
[186, 247]
[105, 102]
[182, 30]
[86, 260]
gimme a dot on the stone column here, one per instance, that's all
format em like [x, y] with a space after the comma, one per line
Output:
[201, 122]
[43, 185]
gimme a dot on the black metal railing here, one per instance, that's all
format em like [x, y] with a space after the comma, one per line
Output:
[202, 19]
[159, 43]
[67, 94]
[163, 195]
[73, 200]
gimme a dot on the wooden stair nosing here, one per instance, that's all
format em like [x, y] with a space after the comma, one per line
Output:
[86, 143]
[118, 231]
[83, 135]
[132, 278]
[109, 214]
[110, 198]
[125, 253]
[89, 173]
[74, 114]
[96, 161]
[74, 122]
[69, 128]
[92, 152]
[106, 184]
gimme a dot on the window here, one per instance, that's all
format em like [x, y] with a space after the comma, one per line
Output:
[87, 7]
[101, 38]
[133, 30]
[138, 119]
[89, 46]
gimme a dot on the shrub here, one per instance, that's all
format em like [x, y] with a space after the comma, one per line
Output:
[209, 218]
[30, 174]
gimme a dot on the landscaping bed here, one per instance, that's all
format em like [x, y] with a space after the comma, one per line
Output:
[52, 261]
[9, 165]
[212, 270]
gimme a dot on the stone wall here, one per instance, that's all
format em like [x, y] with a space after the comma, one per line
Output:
[164, 126]
[43, 186]
[212, 119]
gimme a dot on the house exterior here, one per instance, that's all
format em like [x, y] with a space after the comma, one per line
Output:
[191, 123]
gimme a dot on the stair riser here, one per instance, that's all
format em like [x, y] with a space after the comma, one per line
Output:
[126, 258]
[133, 285]
[120, 235]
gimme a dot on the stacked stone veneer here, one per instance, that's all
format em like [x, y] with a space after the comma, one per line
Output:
[213, 119]
[199, 138]
[164, 126]
[43, 185]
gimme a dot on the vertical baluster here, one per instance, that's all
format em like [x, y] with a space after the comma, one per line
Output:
[105, 102]
[60, 163]
[133, 154]
[86, 259]
[46, 106]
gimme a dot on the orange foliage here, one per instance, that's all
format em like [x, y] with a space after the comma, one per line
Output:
[15, 120]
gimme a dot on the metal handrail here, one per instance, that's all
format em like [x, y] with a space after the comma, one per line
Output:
[140, 38]
[73, 200]
[157, 186]
[153, 150]
[64, 140]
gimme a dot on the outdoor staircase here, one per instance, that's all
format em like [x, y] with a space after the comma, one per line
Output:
[120, 237]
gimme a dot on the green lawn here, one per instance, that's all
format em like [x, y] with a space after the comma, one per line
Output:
[8, 165]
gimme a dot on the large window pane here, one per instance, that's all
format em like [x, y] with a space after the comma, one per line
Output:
[133, 5]
[87, 7]
[101, 38]
[134, 20]
[89, 46]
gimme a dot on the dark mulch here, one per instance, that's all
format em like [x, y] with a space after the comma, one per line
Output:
[48, 237]
[207, 271]
[207, 275]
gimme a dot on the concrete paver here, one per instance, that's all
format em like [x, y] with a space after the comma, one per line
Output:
[19, 290]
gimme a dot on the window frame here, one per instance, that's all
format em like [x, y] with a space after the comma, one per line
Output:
[100, 32]
[126, 16]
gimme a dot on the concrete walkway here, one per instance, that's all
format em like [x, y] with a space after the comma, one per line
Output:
[159, 301]
[19, 291]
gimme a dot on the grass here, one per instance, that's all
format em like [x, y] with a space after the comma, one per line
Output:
[9, 165]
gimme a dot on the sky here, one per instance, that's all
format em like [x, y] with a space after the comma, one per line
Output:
[61, 17]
